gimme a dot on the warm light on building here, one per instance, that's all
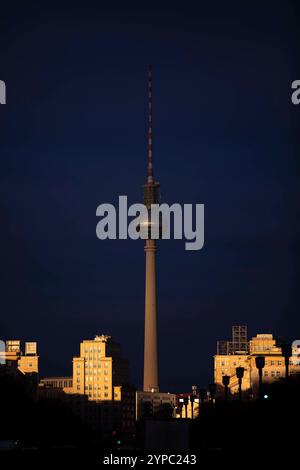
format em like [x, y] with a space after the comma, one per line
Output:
[13, 355]
[260, 345]
[100, 370]
[188, 407]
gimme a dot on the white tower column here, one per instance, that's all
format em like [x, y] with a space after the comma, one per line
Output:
[150, 344]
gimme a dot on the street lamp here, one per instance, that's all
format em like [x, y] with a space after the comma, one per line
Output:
[260, 364]
[225, 381]
[240, 374]
[180, 403]
[192, 399]
[186, 402]
[202, 395]
[212, 391]
[286, 352]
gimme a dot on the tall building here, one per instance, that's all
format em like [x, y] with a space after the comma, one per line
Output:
[100, 369]
[229, 358]
[151, 196]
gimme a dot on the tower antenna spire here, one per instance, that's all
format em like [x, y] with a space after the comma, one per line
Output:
[150, 165]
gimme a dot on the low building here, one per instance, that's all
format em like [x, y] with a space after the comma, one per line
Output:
[260, 345]
[154, 404]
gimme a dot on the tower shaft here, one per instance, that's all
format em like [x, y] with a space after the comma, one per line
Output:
[150, 345]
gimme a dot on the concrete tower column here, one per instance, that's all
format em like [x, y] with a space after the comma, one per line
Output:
[150, 343]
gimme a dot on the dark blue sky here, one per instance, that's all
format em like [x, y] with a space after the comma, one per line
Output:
[73, 135]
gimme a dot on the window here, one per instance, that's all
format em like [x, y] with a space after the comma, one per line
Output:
[266, 373]
[272, 363]
[273, 373]
[278, 373]
[279, 363]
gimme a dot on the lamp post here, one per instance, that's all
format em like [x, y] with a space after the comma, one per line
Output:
[212, 392]
[202, 395]
[260, 364]
[286, 352]
[185, 402]
[225, 381]
[192, 399]
[240, 374]
[180, 403]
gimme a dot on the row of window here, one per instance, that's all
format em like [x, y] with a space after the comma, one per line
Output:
[274, 373]
[94, 363]
[95, 366]
[267, 363]
[91, 379]
[98, 394]
[91, 349]
[89, 387]
[94, 357]
[96, 372]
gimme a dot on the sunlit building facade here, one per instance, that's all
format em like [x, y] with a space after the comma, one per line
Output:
[24, 359]
[100, 370]
[260, 345]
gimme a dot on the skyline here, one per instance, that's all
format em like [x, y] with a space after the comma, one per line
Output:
[74, 134]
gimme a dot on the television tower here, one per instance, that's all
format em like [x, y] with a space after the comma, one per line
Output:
[151, 196]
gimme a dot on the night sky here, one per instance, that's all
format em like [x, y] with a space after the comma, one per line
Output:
[73, 135]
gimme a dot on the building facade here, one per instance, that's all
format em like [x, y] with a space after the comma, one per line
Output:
[260, 345]
[100, 369]
[154, 403]
[24, 359]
